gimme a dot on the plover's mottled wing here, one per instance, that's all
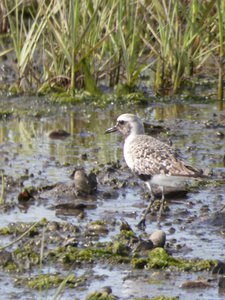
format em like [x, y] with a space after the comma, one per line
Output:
[147, 156]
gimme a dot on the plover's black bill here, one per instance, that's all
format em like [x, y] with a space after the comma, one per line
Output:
[112, 129]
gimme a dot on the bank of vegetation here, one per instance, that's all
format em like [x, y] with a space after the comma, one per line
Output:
[83, 45]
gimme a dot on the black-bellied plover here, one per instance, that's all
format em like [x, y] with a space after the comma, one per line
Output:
[150, 159]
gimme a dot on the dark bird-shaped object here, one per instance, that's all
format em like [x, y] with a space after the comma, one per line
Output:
[151, 160]
[84, 184]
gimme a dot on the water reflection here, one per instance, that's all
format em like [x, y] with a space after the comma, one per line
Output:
[29, 135]
[172, 111]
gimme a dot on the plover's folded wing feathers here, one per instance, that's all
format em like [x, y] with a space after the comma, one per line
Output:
[182, 168]
[147, 156]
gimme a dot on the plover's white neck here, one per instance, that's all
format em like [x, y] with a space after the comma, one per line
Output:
[136, 128]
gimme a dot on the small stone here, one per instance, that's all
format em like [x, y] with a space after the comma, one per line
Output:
[158, 238]
[97, 228]
[172, 230]
[143, 245]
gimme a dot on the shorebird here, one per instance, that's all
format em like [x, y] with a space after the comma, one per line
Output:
[151, 160]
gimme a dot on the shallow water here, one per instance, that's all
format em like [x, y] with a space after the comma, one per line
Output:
[195, 129]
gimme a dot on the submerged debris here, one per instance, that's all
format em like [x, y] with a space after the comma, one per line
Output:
[196, 284]
[58, 134]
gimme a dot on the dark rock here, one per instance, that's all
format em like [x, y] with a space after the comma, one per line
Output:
[219, 268]
[58, 134]
[125, 226]
[221, 282]
[5, 258]
[78, 206]
[195, 284]
[143, 246]
[25, 195]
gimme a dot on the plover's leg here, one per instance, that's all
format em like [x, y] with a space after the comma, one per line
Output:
[141, 223]
[150, 189]
[161, 206]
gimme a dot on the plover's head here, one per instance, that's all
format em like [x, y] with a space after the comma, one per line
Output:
[128, 124]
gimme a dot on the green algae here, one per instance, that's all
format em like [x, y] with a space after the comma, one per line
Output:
[72, 254]
[139, 263]
[120, 249]
[98, 222]
[115, 252]
[11, 267]
[158, 258]
[121, 96]
[50, 281]
[26, 254]
[5, 231]
[100, 296]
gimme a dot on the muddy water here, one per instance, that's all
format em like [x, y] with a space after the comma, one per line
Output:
[29, 155]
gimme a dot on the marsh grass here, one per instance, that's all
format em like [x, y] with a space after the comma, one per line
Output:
[82, 44]
[2, 189]
[221, 23]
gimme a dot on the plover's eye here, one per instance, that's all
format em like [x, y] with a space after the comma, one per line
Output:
[121, 122]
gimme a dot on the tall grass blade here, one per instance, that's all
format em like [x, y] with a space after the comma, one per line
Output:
[2, 190]
[221, 16]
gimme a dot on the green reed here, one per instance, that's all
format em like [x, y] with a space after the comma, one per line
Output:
[2, 190]
[221, 15]
[81, 44]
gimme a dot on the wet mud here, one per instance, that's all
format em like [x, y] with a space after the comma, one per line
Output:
[70, 206]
